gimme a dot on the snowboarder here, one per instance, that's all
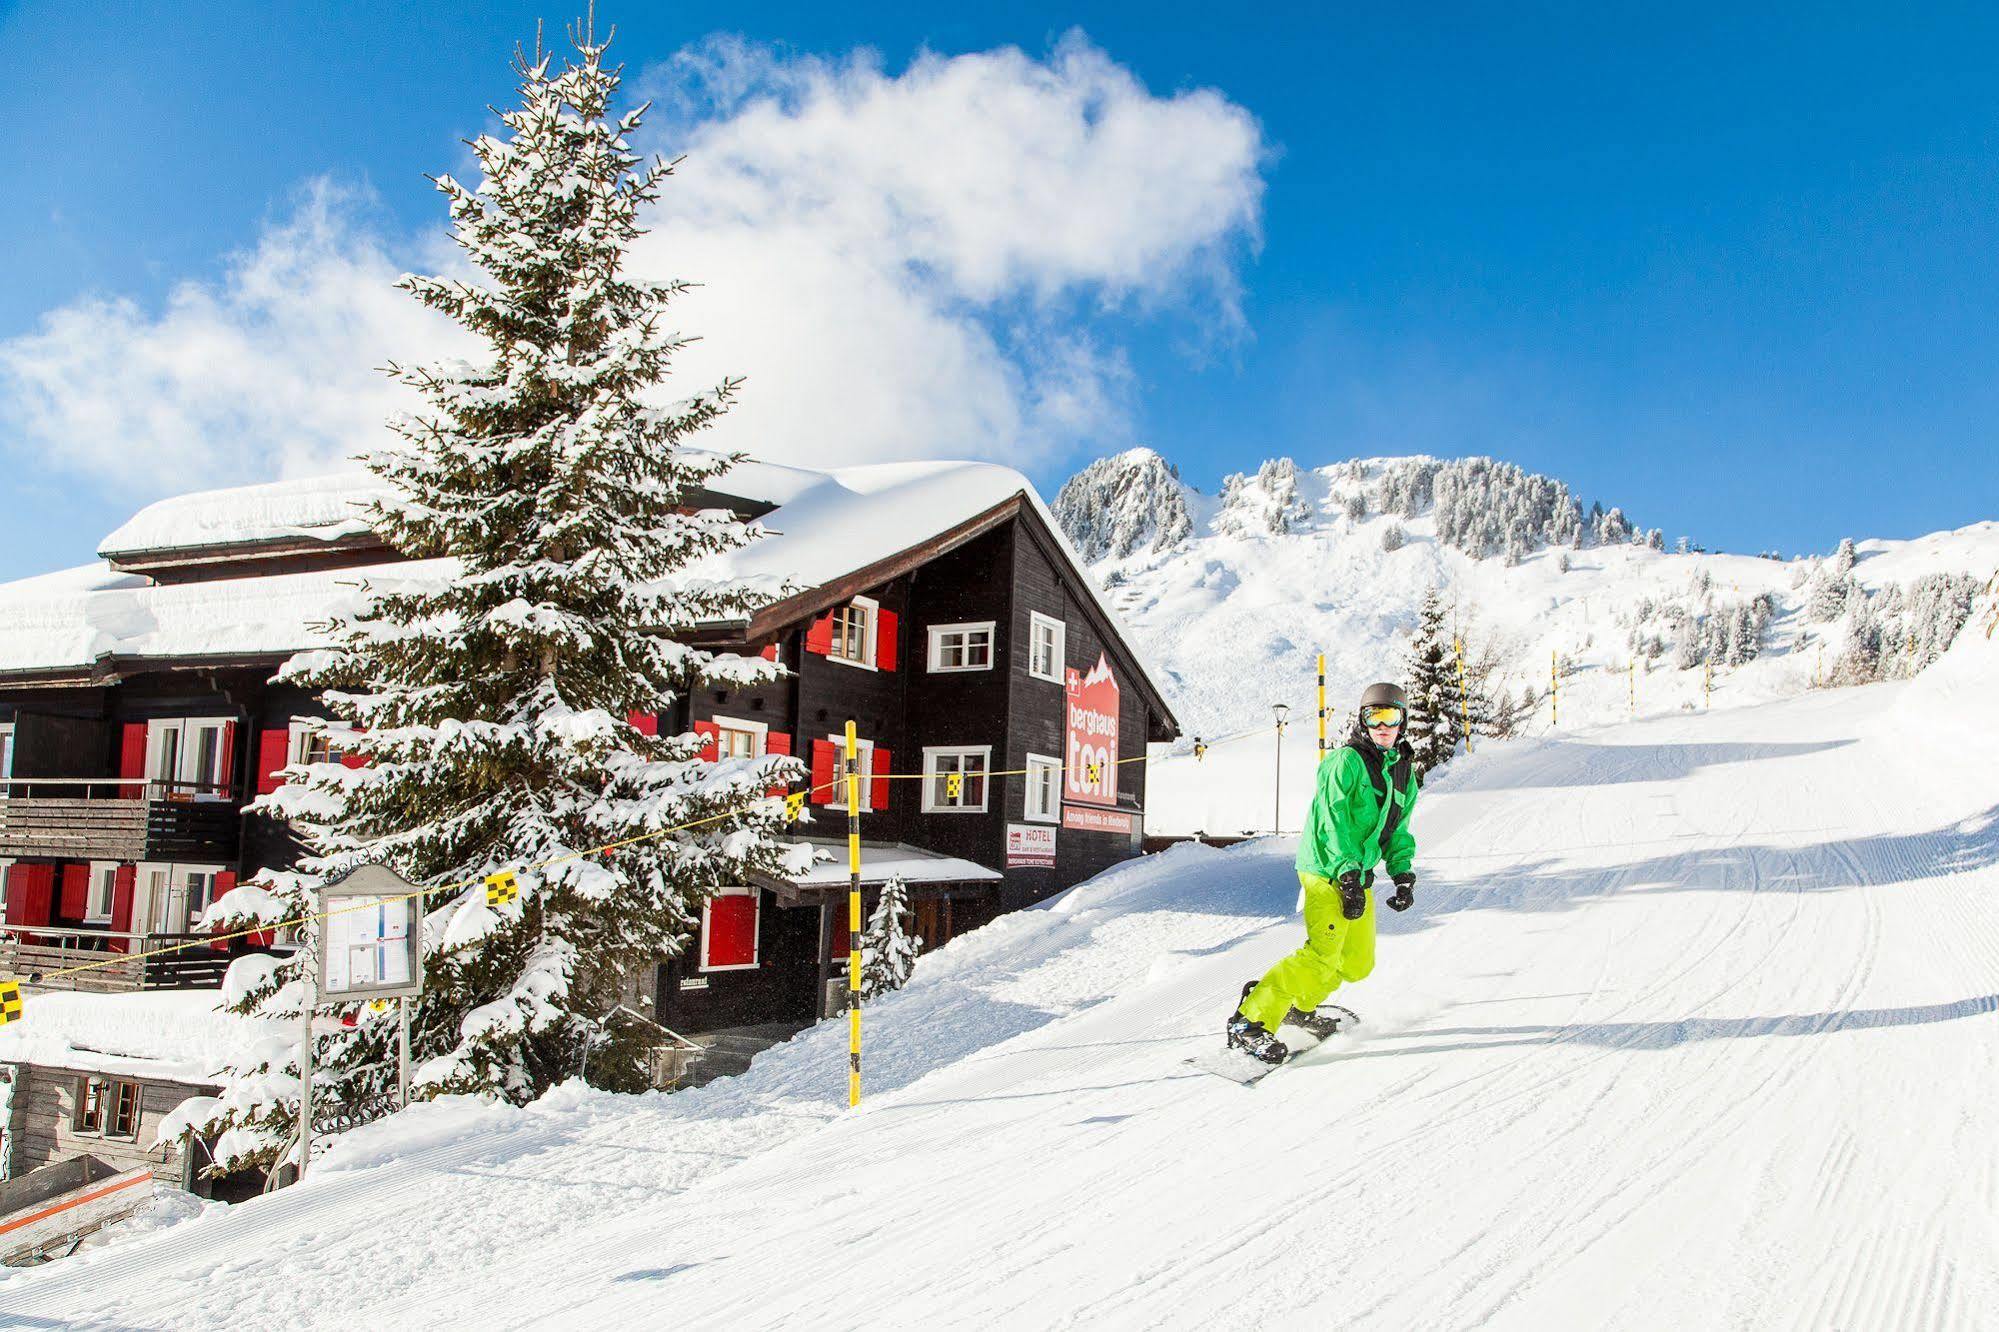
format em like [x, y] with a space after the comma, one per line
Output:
[1360, 816]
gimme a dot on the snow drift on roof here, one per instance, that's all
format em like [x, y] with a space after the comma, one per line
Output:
[826, 526]
[324, 508]
[178, 1035]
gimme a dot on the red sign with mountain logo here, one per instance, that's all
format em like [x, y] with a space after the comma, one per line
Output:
[1090, 757]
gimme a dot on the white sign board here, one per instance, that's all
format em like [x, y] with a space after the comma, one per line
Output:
[1030, 845]
[369, 936]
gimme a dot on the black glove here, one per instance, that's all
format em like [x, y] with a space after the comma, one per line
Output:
[1353, 896]
[1405, 893]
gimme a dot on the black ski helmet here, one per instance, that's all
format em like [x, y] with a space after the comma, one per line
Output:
[1383, 695]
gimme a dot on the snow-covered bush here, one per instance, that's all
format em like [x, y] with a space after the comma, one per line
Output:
[888, 949]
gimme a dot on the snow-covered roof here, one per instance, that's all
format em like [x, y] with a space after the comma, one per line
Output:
[172, 1035]
[825, 526]
[323, 508]
[881, 862]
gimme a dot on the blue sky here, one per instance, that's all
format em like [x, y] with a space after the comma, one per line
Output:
[1733, 272]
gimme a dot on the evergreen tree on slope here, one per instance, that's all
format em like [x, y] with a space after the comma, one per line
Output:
[888, 951]
[1432, 684]
[490, 685]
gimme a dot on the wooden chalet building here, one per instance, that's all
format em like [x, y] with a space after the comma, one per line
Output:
[934, 604]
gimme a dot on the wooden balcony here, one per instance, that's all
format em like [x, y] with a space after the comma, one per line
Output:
[30, 951]
[115, 818]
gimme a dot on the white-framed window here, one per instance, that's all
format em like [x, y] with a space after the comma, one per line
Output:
[864, 750]
[961, 647]
[1047, 644]
[310, 745]
[1043, 800]
[6, 751]
[954, 778]
[6, 871]
[184, 758]
[729, 930]
[854, 632]
[106, 1108]
[103, 887]
[737, 738]
[174, 896]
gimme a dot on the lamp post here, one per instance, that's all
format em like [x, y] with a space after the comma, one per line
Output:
[1277, 787]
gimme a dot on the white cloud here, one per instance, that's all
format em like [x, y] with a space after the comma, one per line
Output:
[934, 263]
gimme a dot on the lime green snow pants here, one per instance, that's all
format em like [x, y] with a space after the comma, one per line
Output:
[1336, 949]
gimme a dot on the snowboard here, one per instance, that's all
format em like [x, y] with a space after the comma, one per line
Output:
[1246, 1070]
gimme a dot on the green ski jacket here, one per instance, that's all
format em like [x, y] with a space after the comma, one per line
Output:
[1344, 829]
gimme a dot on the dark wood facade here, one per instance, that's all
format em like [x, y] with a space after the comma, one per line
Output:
[1003, 567]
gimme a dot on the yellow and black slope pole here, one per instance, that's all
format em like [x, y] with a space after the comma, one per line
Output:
[853, 918]
[1322, 707]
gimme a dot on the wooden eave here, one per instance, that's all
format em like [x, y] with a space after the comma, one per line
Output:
[246, 553]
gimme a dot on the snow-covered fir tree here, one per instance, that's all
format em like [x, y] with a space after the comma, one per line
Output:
[888, 949]
[490, 685]
[1432, 683]
[1267, 504]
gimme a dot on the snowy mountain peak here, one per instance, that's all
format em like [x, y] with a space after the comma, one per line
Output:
[1235, 596]
[1130, 502]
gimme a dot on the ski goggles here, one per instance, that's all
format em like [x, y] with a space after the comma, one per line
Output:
[1383, 716]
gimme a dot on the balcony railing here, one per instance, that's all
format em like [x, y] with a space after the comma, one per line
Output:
[118, 818]
[28, 951]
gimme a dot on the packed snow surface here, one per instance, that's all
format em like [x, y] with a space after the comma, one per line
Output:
[1693, 1025]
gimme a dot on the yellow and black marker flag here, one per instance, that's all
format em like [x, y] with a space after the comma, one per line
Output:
[794, 806]
[954, 785]
[10, 1002]
[502, 887]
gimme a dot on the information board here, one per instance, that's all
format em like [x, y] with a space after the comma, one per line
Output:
[370, 936]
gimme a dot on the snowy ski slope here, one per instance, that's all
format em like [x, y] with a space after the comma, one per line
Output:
[1693, 1026]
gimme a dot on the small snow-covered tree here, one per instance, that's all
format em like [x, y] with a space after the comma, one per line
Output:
[1392, 538]
[544, 498]
[888, 949]
[1432, 685]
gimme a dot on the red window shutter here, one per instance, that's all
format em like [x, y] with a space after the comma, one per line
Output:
[732, 931]
[75, 900]
[769, 652]
[30, 897]
[886, 622]
[274, 749]
[225, 883]
[777, 742]
[132, 759]
[823, 771]
[647, 722]
[226, 769]
[878, 794]
[819, 638]
[123, 888]
[711, 735]
[354, 759]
